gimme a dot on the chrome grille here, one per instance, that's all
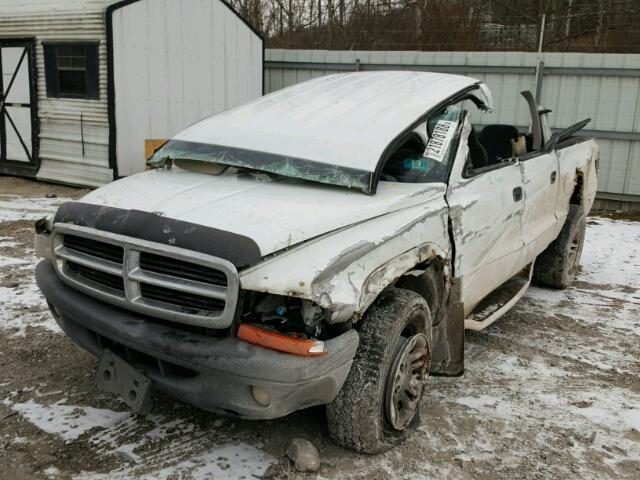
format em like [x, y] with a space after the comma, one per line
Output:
[98, 279]
[169, 266]
[106, 251]
[163, 281]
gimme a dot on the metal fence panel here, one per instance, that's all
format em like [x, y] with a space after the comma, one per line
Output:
[604, 87]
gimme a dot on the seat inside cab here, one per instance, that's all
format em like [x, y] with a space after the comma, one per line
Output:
[496, 144]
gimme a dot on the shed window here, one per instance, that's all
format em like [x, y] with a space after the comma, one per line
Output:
[71, 70]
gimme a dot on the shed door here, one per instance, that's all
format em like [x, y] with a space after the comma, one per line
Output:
[18, 113]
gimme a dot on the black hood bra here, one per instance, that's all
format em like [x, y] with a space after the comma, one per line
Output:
[240, 250]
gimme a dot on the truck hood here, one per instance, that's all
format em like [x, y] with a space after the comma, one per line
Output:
[275, 213]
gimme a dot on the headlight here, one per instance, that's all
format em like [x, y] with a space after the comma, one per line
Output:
[42, 244]
[45, 224]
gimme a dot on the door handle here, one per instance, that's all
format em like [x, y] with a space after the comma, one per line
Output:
[517, 194]
[553, 177]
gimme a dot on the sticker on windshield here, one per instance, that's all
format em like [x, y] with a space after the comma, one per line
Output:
[440, 140]
[420, 164]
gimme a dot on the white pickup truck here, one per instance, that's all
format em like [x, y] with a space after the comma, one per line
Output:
[325, 244]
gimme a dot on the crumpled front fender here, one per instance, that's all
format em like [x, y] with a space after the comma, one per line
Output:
[345, 271]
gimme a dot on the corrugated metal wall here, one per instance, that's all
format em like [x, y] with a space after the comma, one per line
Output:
[612, 102]
[174, 56]
[605, 87]
[60, 133]
[176, 62]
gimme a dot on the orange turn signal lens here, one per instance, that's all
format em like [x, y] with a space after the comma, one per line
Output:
[278, 341]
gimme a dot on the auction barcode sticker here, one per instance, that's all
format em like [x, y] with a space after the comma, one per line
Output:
[440, 139]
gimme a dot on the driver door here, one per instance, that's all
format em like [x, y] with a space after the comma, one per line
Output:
[486, 209]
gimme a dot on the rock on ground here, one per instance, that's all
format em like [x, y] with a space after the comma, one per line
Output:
[304, 455]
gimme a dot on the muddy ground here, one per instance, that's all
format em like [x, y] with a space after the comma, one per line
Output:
[552, 390]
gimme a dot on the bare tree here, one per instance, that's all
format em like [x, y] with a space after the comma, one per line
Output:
[580, 25]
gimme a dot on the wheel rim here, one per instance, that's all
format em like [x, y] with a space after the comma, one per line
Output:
[406, 380]
[574, 250]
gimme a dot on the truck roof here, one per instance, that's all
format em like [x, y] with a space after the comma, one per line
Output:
[343, 120]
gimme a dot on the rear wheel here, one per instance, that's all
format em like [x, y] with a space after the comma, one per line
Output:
[380, 400]
[558, 265]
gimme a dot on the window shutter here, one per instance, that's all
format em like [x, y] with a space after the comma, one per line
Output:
[50, 70]
[93, 76]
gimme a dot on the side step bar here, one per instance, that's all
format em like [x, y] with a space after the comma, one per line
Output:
[486, 316]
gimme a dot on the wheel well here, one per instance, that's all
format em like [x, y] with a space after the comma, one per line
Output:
[576, 196]
[430, 282]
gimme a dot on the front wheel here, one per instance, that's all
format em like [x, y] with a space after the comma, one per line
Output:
[380, 400]
[558, 265]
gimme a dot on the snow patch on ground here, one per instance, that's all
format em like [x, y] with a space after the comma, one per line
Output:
[9, 242]
[177, 442]
[11, 261]
[230, 462]
[169, 449]
[537, 368]
[14, 208]
[52, 472]
[21, 302]
[611, 413]
[611, 254]
[165, 428]
[604, 300]
[174, 448]
[24, 306]
[68, 421]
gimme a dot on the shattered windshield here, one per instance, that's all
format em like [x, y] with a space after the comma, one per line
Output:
[266, 162]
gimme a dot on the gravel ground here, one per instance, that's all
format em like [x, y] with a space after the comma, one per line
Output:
[550, 391]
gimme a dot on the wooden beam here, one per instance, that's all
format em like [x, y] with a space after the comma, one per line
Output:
[152, 145]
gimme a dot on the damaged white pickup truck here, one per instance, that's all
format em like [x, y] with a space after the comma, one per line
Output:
[325, 244]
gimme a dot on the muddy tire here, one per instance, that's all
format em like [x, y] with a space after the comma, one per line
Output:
[557, 266]
[379, 403]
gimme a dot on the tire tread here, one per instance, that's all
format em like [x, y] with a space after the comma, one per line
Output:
[354, 417]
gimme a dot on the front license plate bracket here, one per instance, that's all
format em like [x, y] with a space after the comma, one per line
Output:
[116, 376]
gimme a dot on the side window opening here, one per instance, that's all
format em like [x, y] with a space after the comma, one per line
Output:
[501, 142]
[425, 153]
[407, 164]
[495, 144]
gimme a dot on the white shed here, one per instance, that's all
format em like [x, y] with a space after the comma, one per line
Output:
[84, 82]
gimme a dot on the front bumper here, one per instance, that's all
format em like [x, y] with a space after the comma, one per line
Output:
[215, 374]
